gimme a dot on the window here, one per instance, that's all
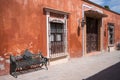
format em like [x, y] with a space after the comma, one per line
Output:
[111, 34]
[57, 38]
[57, 32]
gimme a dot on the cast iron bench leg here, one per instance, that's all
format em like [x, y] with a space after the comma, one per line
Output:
[46, 66]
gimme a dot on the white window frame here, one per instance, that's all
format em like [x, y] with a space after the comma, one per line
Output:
[50, 19]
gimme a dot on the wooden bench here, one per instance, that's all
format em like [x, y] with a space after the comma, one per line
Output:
[27, 61]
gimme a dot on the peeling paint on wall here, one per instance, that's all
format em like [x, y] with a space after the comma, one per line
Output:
[30, 45]
[18, 50]
[1, 58]
[2, 67]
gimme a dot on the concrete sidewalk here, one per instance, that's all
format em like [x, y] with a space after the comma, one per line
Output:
[74, 69]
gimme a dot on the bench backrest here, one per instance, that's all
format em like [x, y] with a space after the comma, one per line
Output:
[27, 54]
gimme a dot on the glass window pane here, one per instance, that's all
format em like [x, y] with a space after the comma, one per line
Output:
[52, 37]
[58, 37]
[111, 34]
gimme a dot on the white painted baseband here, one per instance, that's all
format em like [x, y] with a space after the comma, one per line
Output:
[112, 49]
[60, 61]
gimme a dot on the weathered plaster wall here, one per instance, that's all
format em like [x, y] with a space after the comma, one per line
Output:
[23, 26]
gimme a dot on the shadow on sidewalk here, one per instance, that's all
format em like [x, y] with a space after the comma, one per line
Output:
[111, 73]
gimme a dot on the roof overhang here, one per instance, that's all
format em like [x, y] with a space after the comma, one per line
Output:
[94, 14]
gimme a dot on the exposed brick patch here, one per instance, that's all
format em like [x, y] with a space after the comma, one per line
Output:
[4, 67]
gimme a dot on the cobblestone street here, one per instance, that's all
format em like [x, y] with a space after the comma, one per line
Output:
[103, 66]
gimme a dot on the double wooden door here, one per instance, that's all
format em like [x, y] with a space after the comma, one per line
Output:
[92, 35]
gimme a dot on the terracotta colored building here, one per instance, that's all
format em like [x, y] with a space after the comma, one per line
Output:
[61, 29]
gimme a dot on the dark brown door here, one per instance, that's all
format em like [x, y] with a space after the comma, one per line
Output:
[57, 38]
[92, 35]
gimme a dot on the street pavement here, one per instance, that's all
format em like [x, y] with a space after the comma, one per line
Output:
[102, 66]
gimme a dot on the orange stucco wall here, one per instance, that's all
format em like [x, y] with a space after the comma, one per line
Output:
[115, 19]
[23, 26]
